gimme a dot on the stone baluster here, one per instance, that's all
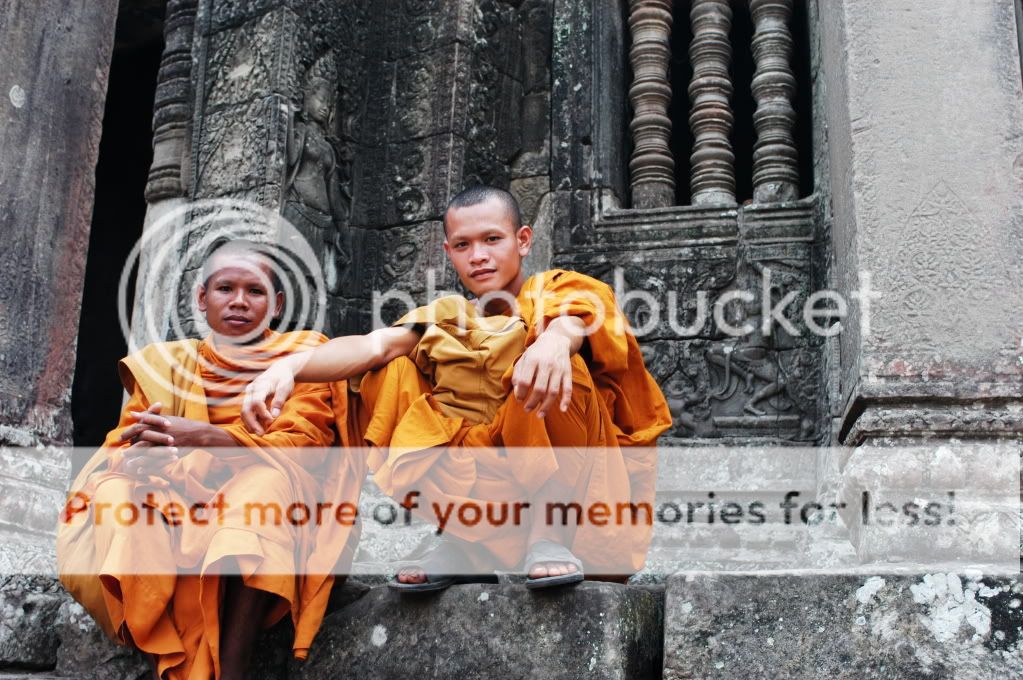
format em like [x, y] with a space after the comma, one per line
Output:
[172, 108]
[710, 92]
[652, 166]
[775, 160]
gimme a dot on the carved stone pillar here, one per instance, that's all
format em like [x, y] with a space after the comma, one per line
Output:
[652, 167]
[172, 108]
[775, 160]
[711, 117]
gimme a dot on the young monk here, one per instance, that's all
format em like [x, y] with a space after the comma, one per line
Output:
[534, 396]
[194, 588]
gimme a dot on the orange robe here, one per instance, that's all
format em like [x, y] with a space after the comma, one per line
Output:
[601, 448]
[157, 586]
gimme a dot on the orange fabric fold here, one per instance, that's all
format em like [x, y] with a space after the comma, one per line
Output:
[158, 587]
[601, 451]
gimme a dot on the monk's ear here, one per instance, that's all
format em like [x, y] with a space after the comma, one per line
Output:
[278, 304]
[524, 239]
[201, 297]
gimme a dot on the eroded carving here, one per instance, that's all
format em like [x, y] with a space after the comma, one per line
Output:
[317, 194]
[172, 106]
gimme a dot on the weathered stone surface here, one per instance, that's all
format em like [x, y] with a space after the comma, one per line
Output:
[41, 627]
[87, 654]
[486, 631]
[971, 490]
[726, 378]
[273, 653]
[53, 80]
[915, 206]
[530, 191]
[28, 607]
[805, 625]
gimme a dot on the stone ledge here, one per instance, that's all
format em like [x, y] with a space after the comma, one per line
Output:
[478, 631]
[842, 625]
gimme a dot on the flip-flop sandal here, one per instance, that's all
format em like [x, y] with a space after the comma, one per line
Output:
[444, 566]
[549, 551]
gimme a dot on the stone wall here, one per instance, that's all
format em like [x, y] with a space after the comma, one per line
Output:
[924, 156]
[55, 61]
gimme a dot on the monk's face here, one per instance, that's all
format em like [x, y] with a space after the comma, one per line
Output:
[485, 247]
[238, 298]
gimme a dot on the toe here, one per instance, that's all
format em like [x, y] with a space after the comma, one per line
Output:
[411, 576]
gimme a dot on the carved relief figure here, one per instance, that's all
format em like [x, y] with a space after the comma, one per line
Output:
[317, 198]
[753, 360]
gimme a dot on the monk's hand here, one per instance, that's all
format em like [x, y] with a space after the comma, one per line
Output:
[158, 430]
[543, 373]
[150, 427]
[143, 460]
[276, 384]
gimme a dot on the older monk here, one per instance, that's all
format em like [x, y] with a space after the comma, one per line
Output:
[189, 590]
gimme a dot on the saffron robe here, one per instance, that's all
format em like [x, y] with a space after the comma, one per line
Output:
[158, 587]
[601, 449]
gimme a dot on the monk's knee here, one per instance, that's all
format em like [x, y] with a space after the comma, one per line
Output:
[113, 496]
[257, 483]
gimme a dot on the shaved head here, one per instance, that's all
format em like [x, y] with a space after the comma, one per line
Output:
[224, 250]
[481, 194]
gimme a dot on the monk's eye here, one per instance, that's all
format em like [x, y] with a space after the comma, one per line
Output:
[492, 239]
[224, 289]
[461, 244]
[257, 291]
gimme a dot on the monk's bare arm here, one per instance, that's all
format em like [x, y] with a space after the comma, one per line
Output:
[338, 359]
[544, 371]
[351, 355]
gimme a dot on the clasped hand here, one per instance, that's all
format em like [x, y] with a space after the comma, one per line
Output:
[152, 447]
[156, 441]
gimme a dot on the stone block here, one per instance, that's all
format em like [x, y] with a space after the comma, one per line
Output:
[530, 191]
[476, 631]
[408, 181]
[56, 60]
[389, 533]
[804, 625]
[87, 654]
[429, 93]
[400, 261]
[413, 26]
[915, 207]
[241, 148]
[216, 16]
[252, 61]
[939, 503]
[28, 607]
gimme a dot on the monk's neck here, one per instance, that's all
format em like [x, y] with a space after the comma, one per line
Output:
[499, 305]
[228, 345]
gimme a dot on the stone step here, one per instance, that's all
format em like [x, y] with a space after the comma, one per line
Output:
[480, 631]
[807, 625]
[737, 469]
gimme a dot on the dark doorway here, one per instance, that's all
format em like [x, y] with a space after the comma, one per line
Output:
[125, 156]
